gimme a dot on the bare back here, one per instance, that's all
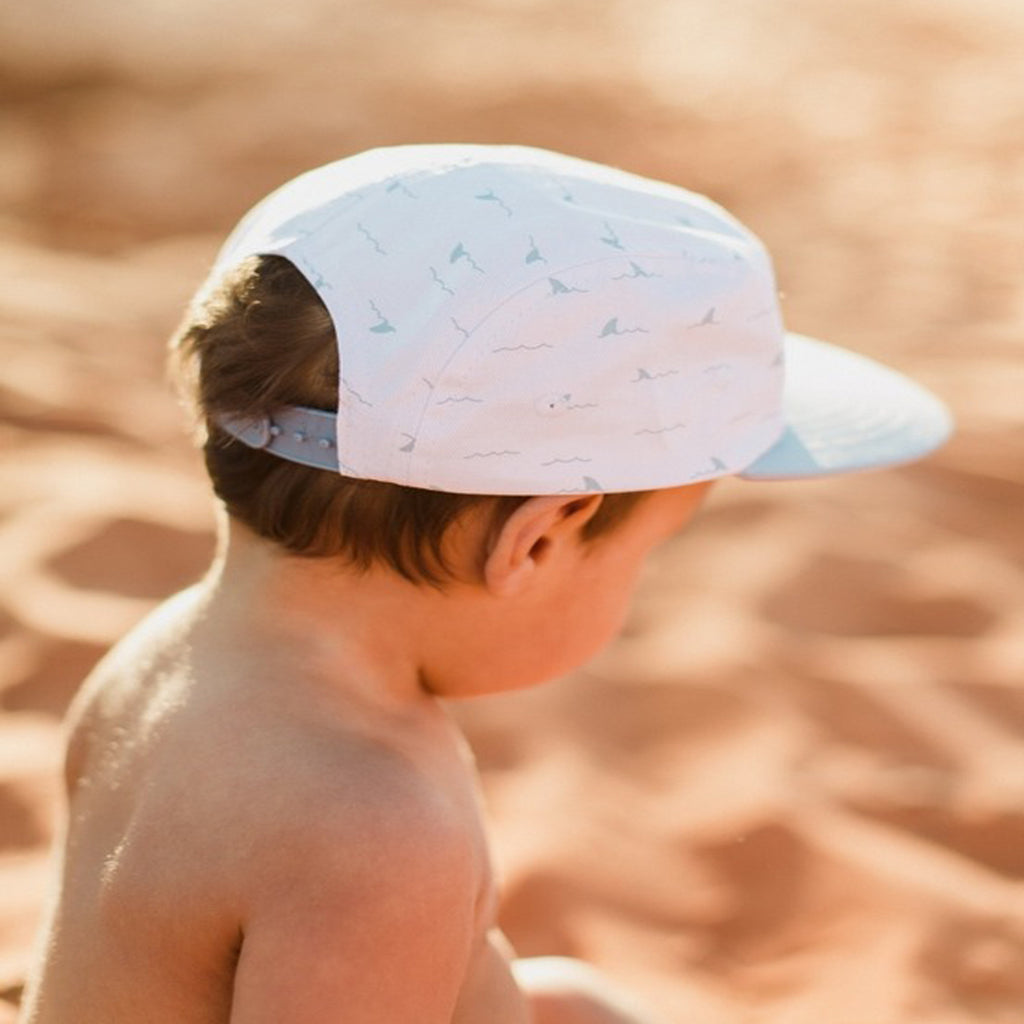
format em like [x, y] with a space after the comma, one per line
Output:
[239, 850]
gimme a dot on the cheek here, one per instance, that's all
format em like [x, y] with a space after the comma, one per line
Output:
[566, 634]
[598, 610]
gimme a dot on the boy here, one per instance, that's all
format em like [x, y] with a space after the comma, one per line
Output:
[452, 396]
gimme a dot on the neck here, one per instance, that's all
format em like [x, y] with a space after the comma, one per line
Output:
[359, 633]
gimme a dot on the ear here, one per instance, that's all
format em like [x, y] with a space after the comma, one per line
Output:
[532, 534]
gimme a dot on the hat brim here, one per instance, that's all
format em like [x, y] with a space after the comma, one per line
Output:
[845, 413]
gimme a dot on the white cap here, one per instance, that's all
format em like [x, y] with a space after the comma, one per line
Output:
[515, 321]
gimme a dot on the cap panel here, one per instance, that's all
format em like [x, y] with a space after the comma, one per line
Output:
[626, 374]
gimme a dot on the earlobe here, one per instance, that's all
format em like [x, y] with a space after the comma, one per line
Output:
[531, 534]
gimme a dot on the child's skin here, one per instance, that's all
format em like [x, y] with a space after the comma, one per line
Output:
[272, 818]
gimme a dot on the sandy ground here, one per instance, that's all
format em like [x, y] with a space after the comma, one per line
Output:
[794, 790]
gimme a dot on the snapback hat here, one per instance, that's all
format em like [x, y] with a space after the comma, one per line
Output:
[514, 321]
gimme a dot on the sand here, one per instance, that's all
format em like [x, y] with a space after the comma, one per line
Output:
[794, 789]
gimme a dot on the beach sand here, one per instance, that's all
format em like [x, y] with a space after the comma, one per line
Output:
[794, 790]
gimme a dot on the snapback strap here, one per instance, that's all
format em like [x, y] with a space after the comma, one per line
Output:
[293, 432]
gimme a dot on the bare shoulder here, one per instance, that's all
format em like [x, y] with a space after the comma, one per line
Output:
[263, 793]
[363, 807]
[364, 892]
[305, 853]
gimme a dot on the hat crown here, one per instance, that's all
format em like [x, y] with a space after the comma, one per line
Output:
[511, 320]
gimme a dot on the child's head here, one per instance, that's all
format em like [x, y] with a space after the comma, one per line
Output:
[258, 339]
[402, 335]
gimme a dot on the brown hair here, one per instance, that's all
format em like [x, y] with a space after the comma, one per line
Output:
[257, 338]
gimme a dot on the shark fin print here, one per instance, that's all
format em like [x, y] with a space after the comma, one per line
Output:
[635, 270]
[709, 319]
[642, 375]
[460, 252]
[613, 328]
[319, 282]
[490, 197]
[611, 238]
[534, 255]
[397, 185]
[560, 288]
[717, 466]
[383, 325]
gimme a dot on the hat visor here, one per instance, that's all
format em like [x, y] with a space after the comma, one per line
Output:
[844, 413]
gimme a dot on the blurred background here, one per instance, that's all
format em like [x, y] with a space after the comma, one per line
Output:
[794, 790]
